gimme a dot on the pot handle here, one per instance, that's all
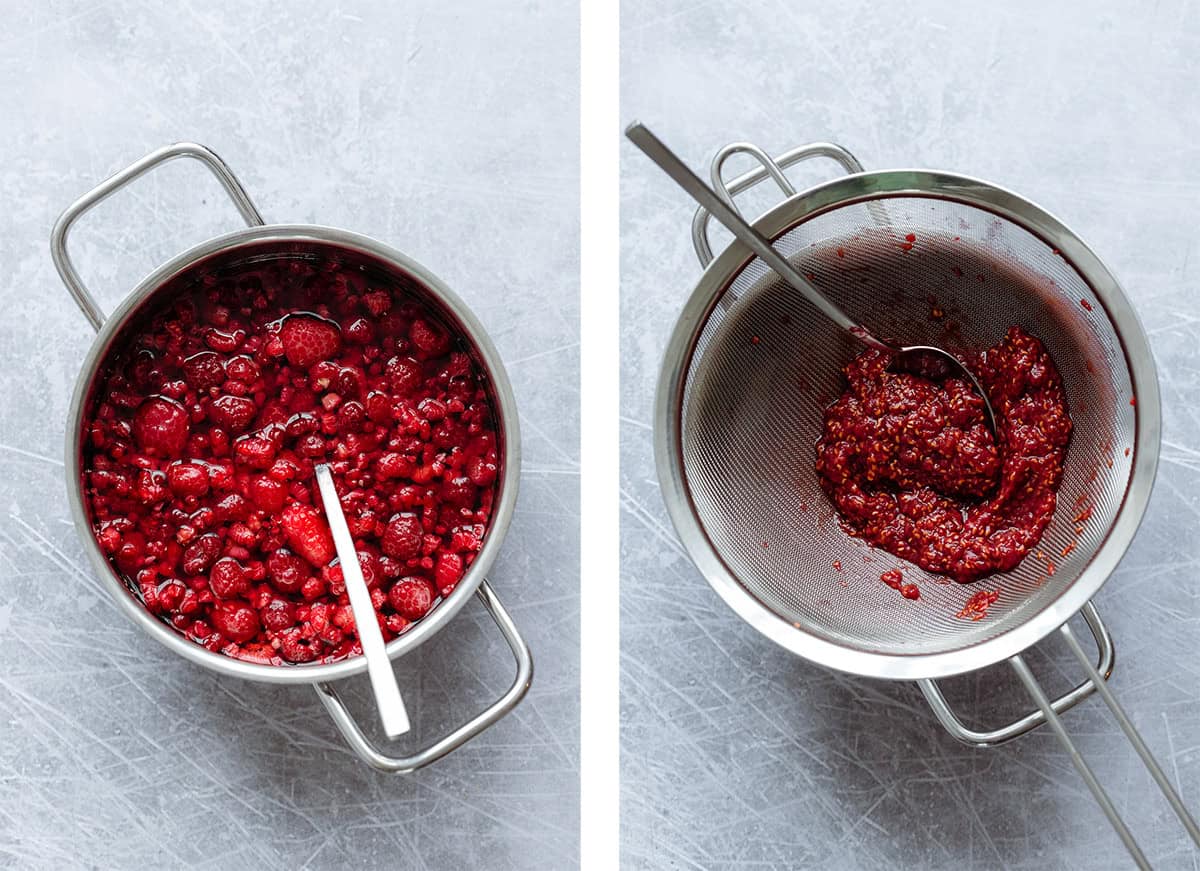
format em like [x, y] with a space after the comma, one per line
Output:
[769, 168]
[991, 738]
[58, 236]
[380, 760]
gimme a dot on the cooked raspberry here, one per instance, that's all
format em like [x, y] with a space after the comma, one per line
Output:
[286, 571]
[227, 578]
[267, 494]
[429, 338]
[379, 407]
[294, 647]
[161, 427]
[235, 621]
[481, 471]
[224, 340]
[235, 413]
[378, 302]
[411, 597]
[405, 374]
[359, 331]
[170, 594]
[255, 451]
[187, 479]
[231, 507]
[204, 370]
[201, 554]
[150, 487]
[308, 339]
[279, 614]
[307, 534]
[459, 492]
[131, 555]
[394, 466]
[243, 369]
[402, 538]
[448, 573]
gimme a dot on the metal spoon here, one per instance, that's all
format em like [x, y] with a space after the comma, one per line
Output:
[383, 680]
[905, 357]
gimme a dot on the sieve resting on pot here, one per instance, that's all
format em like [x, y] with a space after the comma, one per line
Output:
[252, 244]
[751, 367]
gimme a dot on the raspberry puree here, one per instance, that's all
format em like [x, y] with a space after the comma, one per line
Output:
[912, 467]
[203, 429]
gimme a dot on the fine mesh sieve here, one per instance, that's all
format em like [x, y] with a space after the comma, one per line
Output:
[767, 364]
[920, 258]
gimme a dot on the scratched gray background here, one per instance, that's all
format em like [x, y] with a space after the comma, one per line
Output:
[447, 130]
[738, 755]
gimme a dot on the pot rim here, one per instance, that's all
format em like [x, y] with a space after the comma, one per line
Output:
[506, 411]
[861, 187]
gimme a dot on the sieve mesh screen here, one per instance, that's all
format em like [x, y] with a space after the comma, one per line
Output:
[766, 364]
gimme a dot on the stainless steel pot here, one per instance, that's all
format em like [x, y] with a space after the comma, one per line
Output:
[260, 238]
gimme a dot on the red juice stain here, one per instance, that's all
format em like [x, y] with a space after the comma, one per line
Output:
[841, 252]
[837, 565]
[1087, 305]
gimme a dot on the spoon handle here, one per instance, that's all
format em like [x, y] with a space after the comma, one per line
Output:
[670, 163]
[383, 680]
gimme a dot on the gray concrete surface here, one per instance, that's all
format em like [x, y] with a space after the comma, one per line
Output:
[446, 130]
[738, 755]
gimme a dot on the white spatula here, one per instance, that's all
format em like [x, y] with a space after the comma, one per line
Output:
[379, 667]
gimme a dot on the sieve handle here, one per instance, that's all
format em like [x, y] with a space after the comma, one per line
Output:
[950, 721]
[58, 236]
[376, 758]
[1085, 771]
[769, 168]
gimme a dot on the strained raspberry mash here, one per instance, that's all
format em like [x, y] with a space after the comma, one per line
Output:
[912, 467]
[203, 429]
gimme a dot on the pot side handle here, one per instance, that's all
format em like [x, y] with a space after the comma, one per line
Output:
[376, 758]
[973, 738]
[768, 168]
[58, 236]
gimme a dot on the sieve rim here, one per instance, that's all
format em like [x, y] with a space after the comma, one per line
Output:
[677, 360]
[469, 327]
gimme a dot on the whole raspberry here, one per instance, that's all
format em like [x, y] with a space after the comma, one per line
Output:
[236, 621]
[411, 597]
[161, 427]
[227, 578]
[308, 339]
[402, 537]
